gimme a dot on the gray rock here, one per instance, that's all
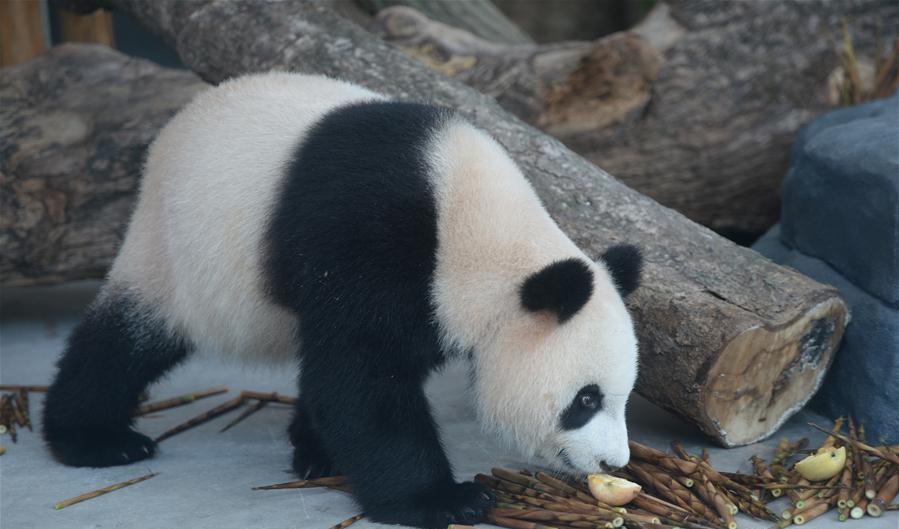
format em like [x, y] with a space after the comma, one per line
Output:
[841, 195]
[864, 378]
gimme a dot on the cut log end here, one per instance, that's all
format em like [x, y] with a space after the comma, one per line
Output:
[765, 375]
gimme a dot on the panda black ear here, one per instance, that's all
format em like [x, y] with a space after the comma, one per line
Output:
[625, 263]
[561, 288]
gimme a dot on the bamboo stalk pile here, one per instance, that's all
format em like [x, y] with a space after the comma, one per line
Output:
[684, 490]
[15, 411]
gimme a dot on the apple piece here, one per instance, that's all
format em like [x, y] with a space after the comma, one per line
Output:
[823, 464]
[611, 490]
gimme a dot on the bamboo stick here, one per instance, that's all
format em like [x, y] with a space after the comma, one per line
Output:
[761, 470]
[180, 400]
[21, 398]
[18, 387]
[813, 511]
[99, 492]
[885, 495]
[270, 397]
[348, 522]
[882, 454]
[329, 481]
[846, 480]
[515, 524]
[708, 492]
[246, 413]
[221, 409]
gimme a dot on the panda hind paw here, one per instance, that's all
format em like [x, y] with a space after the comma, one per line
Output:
[311, 463]
[100, 447]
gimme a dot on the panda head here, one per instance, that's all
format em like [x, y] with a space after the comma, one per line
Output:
[555, 379]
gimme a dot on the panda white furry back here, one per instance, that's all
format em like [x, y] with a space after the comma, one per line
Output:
[194, 247]
[292, 217]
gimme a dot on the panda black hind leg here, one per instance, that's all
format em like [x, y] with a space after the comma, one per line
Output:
[113, 354]
[310, 460]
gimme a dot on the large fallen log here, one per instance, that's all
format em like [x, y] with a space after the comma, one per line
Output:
[697, 107]
[730, 341]
[76, 123]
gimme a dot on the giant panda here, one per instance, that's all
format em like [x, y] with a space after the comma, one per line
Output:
[293, 217]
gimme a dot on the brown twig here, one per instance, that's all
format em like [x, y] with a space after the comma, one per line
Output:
[270, 397]
[246, 413]
[329, 482]
[17, 387]
[221, 409]
[348, 522]
[882, 454]
[99, 492]
[761, 470]
[180, 400]
[23, 404]
[511, 523]
[885, 495]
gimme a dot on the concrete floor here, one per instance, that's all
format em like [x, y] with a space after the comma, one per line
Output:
[205, 477]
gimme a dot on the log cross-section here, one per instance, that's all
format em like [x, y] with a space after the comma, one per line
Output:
[707, 307]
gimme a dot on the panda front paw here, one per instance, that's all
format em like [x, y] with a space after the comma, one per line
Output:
[99, 447]
[455, 503]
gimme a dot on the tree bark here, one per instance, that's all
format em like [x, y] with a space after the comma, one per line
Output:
[479, 17]
[699, 114]
[730, 341]
[76, 123]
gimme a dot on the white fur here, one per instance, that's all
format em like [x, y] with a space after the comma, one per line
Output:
[493, 234]
[194, 245]
[194, 249]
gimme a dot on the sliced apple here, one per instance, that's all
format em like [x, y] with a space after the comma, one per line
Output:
[611, 490]
[823, 464]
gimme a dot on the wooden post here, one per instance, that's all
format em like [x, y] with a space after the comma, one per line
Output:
[21, 31]
[93, 28]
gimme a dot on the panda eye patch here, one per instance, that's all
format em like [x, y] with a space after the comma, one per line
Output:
[585, 405]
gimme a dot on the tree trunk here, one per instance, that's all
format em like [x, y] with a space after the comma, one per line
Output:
[76, 123]
[729, 340]
[479, 17]
[699, 115]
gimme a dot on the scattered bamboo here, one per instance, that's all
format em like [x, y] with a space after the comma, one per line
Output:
[846, 480]
[761, 470]
[221, 409]
[180, 400]
[99, 492]
[269, 397]
[246, 413]
[349, 521]
[21, 398]
[14, 413]
[812, 511]
[785, 450]
[512, 523]
[18, 387]
[887, 455]
[885, 495]
[329, 482]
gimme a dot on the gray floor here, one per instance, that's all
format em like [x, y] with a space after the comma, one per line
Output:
[205, 477]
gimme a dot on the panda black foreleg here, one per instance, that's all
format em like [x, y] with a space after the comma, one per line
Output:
[375, 421]
[113, 354]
